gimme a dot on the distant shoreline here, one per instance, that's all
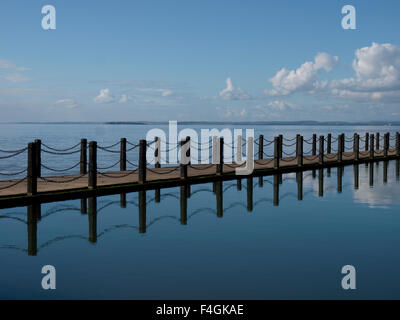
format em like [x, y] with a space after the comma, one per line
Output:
[255, 123]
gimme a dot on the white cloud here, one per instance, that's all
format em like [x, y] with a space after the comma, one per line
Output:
[282, 105]
[124, 99]
[68, 103]
[304, 78]
[377, 75]
[15, 77]
[7, 64]
[166, 93]
[104, 96]
[232, 93]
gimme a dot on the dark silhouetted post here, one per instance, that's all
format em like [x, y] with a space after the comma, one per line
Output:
[386, 142]
[314, 144]
[122, 156]
[321, 149]
[261, 147]
[38, 155]
[219, 198]
[249, 194]
[142, 211]
[377, 140]
[329, 144]
[220, 164]
[356, 176]
[157, 195]
[276, 190]
[183, 206]
[398, 144]
[142, 161]
[280, 146]
[371, 151]
[276, 152]
[356, 147]
[299, 150]
[366, 141]
[92, 219]
[354, 142]
[299, 178]
[92, 165]
[32, 230]
[183, 163]
[157, 152]
[31, 171]
[83, 161]
[340, 150]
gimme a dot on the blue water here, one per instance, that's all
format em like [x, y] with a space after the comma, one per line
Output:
[292, 250]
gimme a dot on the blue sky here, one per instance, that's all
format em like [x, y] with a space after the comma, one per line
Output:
[199, 60]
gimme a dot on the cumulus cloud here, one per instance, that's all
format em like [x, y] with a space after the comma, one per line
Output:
[166, 93]
[232, 93]
[104, 96]
[377, 75]
[304, 78]
[68, 103]
[281, 105]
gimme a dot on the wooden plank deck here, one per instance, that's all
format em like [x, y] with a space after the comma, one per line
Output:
[78, 183]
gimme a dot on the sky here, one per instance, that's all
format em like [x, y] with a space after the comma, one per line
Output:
[253, 60]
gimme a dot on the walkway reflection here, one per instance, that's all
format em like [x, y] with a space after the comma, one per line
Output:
[363, 193]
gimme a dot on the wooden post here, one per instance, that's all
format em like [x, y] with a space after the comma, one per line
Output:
[321, 149]
[83, 162]
[371, 151]
[31, 171]
[183, 206]
[343, 143]
[398, 144]
[340, 145]
[38, 155]
[366, 141]
[157, 195]
[122, 200]
[329, 144]
[280, 146]
[142, 161]
[276, 152]
[157, 152]
[385, 171]
[377, 141]
[220, 165]
[354, 142]
[314, 144]
[260, 147]
[371, 174]
[142, 211]
[92, 183]
[356, 147]
[239, 184]
[122, 155]
[300, 150]
[183, 164]
[386, 142]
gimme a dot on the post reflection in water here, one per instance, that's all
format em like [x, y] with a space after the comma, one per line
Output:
[92, 219]
[89, 205]
[142, 211]
[356, 176]
[183, 200]
[250, 194]
[299, 179]
[276, 190]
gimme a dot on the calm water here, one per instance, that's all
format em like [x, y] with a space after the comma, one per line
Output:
[259, 242]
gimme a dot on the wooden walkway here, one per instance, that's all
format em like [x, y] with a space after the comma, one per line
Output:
[73, 186]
